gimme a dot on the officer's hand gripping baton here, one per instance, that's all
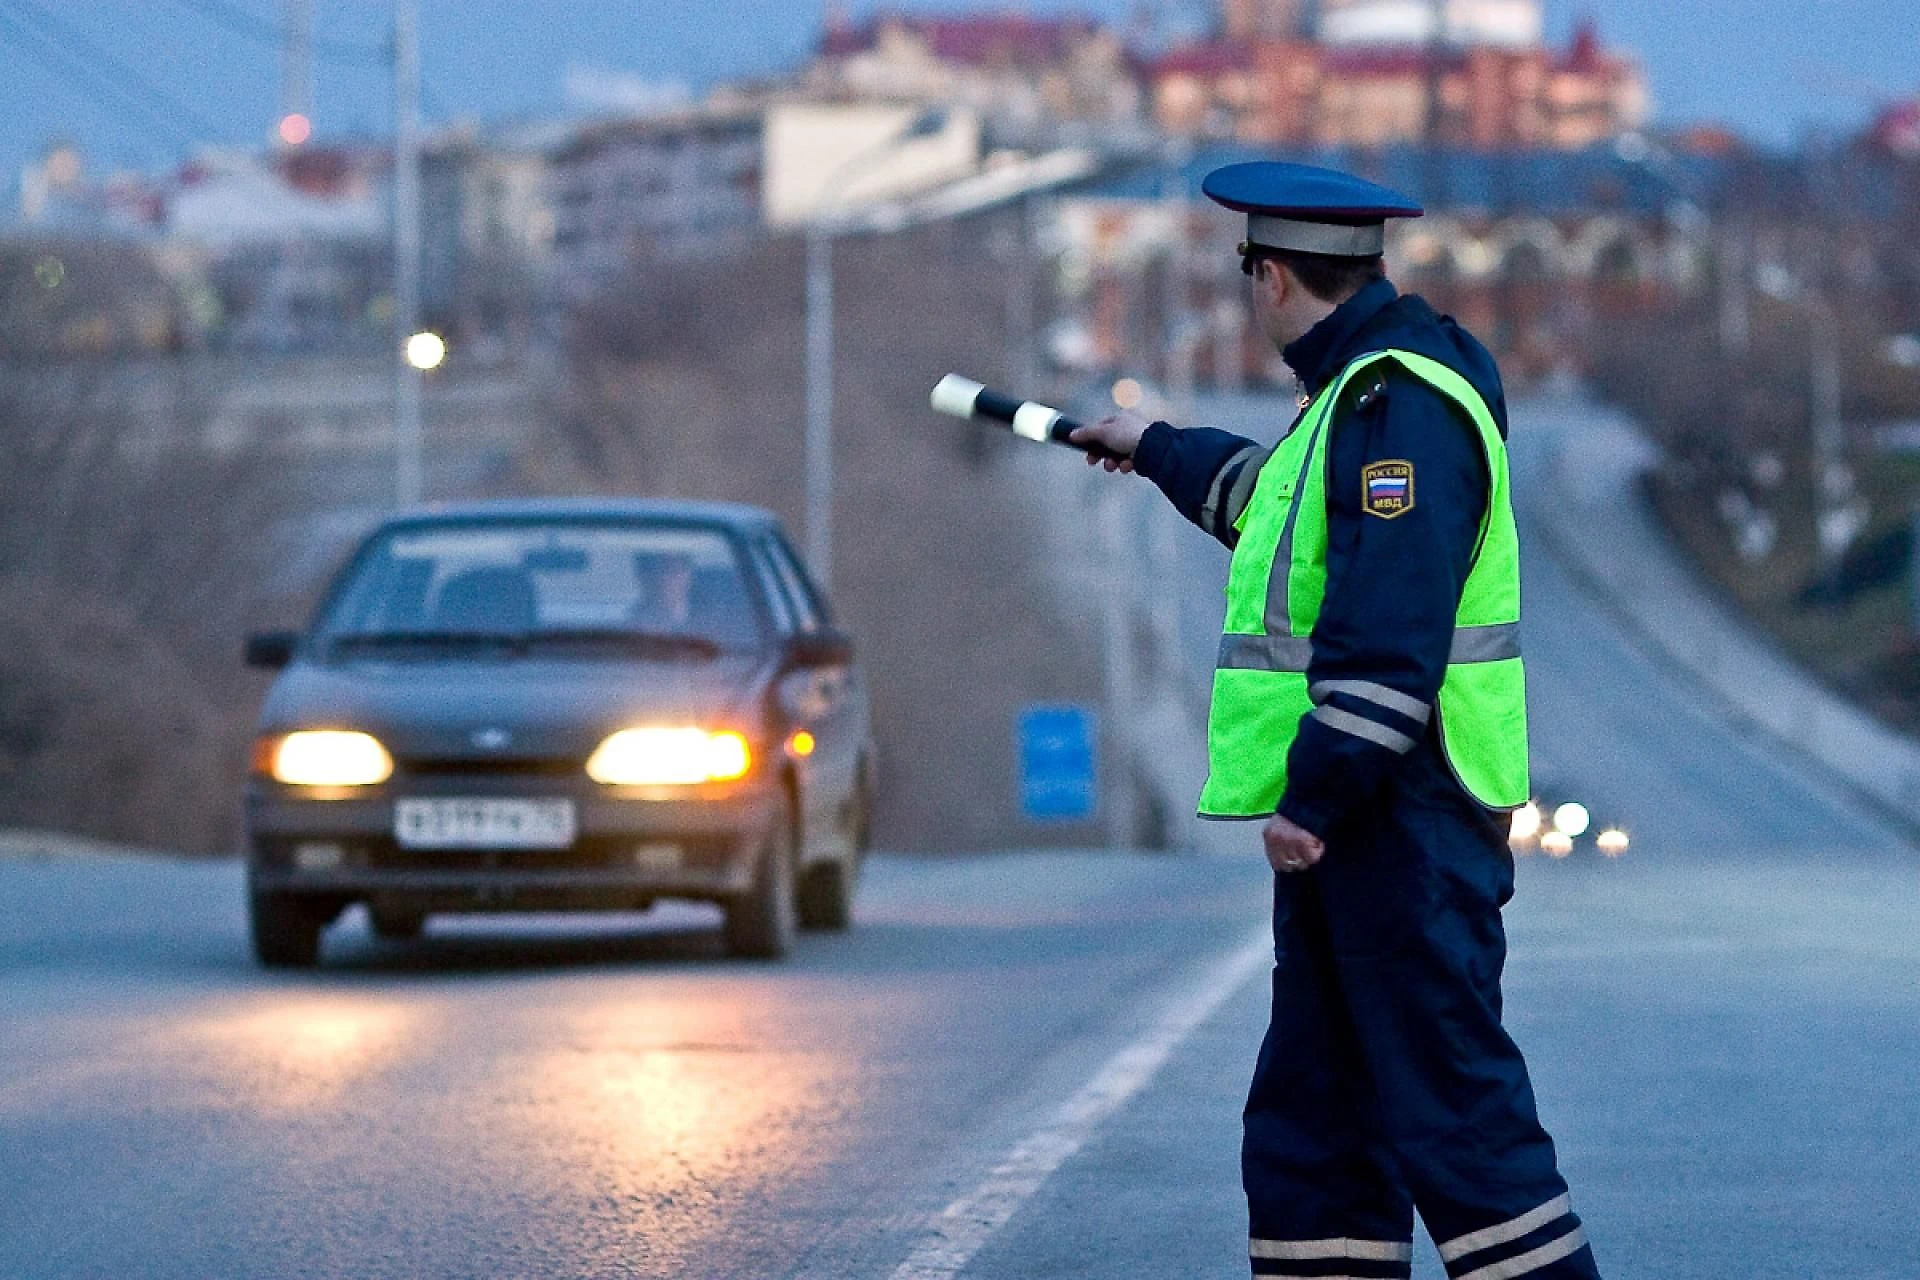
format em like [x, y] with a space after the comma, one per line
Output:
[960, 397]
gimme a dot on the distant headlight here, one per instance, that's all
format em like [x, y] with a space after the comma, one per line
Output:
[1573, 819]
[668, 757]
[1526, 822]
[327, 758]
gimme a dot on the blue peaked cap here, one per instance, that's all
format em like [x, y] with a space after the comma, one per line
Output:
[1308, 209]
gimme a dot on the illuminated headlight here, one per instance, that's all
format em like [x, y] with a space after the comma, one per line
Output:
[668, 757]
[1613, 842]
[1573, 819]
[327, 758]
[1526, 822]
[1556, 844]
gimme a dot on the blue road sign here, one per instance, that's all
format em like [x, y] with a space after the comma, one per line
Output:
[1056, 763]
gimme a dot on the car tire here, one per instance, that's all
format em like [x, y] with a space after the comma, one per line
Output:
[286, 929]
[826, 897]
[392, 924]
[761, 922]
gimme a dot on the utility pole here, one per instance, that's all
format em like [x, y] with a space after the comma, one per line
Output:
[1435, 178]
[296, 67]
[409, 468]
[819, 432]
[1832, 479]
[826, 221]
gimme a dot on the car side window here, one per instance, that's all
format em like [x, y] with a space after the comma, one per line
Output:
[778, 602]
[811, 608]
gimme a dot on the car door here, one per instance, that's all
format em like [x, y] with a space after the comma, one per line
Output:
[830, 704]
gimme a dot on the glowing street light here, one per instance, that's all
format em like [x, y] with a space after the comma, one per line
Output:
[295, 129]
[426, 351]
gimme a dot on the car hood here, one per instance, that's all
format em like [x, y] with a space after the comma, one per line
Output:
[545, 708]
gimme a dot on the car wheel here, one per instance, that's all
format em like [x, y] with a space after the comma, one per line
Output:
[826, 897]
[760, 922]
[393, 924]
[286, 929]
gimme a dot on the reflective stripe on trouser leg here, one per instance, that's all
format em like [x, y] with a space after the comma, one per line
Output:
[1419, 972]
[1526, 1244]
[1321, 1195]
[1322, 1259]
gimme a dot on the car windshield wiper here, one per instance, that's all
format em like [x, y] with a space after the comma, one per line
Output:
[624, 638]
[513, 640]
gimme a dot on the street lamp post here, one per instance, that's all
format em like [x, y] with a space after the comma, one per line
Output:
[819, 433]
[822, 228]
[409, 468]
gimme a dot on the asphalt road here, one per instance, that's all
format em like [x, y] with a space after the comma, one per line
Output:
[1015, 1066]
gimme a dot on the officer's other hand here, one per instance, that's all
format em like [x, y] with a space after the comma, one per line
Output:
[1119, 434]
[1290, 848]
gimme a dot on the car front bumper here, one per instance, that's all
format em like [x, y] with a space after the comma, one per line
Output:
[631, 845]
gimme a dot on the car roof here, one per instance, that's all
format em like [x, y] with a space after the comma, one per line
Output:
[736, 515]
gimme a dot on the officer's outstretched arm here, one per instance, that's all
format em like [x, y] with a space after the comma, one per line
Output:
[1207, 474]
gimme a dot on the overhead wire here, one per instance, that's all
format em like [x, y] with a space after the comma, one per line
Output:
[132, 85]
[94, 88]
[241, 23]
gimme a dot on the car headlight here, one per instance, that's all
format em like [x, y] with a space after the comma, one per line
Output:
[327, 758]
[669, 756]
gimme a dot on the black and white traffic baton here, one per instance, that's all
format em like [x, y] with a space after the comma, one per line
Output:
[960, 397]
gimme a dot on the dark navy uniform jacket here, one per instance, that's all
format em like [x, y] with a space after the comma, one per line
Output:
[1393, 585]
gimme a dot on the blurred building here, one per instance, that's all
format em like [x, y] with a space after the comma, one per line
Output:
[676, 183]
[1531, 249]
[1244, 20]
[1376, 73]
[1496, 24]
[58, 195]
[823, 158]
[1897, 129]
[1017, 71]
[487, 230]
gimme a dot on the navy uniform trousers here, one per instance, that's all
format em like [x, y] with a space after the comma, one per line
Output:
[1386, 1080]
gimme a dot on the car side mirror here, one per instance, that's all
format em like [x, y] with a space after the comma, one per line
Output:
[272, 650]
[820, 649]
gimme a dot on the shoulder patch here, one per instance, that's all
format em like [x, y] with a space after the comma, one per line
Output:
[1386, 488]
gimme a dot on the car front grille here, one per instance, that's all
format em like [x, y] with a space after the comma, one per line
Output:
[489, 768]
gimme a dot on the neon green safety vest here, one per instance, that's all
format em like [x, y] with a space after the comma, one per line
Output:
[1275, 589]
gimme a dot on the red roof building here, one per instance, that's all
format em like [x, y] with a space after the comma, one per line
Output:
[1489, 97]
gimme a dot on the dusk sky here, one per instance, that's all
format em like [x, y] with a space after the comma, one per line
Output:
[1767, 67]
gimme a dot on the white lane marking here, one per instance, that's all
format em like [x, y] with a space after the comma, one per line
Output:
[959, 1230]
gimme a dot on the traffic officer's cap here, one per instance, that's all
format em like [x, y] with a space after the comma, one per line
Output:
[1304, 209]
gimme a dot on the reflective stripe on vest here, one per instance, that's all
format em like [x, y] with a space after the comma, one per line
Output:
[1277, 584]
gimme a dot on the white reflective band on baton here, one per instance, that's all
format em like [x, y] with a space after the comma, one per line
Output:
[1311, 1250]
[1034, 421]
[1512, 1229]
[1534, 1259]
[955, 396]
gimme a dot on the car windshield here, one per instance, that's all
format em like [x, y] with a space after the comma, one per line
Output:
[564, 585]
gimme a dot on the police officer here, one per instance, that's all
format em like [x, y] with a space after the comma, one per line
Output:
[1369, 710]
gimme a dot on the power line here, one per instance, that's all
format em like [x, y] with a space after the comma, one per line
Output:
[91, 87]
[251, 27]
[78, 46]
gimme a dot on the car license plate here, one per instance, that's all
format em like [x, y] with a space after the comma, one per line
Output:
[484, 824]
